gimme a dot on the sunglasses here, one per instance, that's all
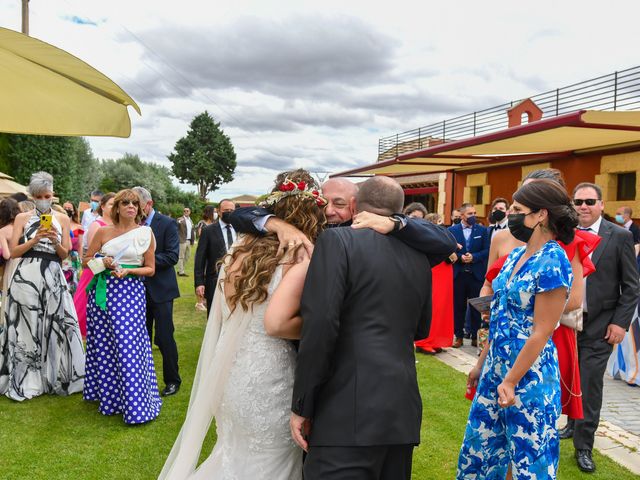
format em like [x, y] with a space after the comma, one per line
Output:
[589, 201]
[129, 202]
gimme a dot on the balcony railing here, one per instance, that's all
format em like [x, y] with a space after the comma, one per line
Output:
[615, 91]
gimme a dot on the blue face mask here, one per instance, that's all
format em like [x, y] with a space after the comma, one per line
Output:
[620, 219]
[471, 220]
[94, 205]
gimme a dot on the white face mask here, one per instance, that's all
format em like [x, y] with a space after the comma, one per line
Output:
[43, 206]
[215, 215]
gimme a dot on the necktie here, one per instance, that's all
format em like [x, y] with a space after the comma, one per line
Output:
[229, 237]
[585, 229]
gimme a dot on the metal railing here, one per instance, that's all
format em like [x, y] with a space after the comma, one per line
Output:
[615, 91]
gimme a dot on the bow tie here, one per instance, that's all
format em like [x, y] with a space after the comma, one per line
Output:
[498, 227]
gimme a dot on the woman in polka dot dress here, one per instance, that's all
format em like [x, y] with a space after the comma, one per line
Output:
[120, 373]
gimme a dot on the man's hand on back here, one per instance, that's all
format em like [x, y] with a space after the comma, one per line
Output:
[373, 221]
[289, 237]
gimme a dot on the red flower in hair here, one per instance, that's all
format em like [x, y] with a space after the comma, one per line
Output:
[315, 193]
[302, 185]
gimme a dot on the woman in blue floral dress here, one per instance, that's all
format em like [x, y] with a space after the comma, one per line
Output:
[511, 432]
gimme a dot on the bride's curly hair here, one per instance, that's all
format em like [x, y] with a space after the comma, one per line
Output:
[251, 279]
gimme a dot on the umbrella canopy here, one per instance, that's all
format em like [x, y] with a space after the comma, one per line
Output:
[47, 91]
[9, 187]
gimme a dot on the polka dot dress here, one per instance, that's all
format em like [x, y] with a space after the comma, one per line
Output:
[119, 369]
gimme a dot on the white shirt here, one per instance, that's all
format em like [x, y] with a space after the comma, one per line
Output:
[223, 227]
[503, 225]
[88, 217]
[595, 228]
[189, 224]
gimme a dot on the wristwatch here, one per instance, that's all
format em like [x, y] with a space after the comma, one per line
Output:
[397, 222]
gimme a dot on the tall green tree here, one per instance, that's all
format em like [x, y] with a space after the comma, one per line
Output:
[205, 156]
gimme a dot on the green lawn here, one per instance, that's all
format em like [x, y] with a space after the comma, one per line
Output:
[66, 438]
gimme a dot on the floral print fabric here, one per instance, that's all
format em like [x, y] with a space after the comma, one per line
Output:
[523, 435]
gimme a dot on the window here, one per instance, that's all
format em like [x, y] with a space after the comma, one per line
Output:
[477, 196]
[626, 186]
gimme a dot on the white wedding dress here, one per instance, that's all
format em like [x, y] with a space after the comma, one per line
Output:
[245, 380]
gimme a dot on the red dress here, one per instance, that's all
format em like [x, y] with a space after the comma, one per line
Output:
[441, 332]
[564, 337]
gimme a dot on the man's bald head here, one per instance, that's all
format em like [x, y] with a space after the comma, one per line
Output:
[339, 192]
[381, 195]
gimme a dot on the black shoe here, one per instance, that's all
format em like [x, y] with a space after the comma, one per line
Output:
[474, 342]
[170, 389]
[425, 352]
[585, 462]
[566, 432]
[467, 335]
[183, 275]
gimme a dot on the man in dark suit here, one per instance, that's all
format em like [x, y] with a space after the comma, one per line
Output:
[498, 216]
[611, 297]
[214, 242]
[468, 271]
[162, 289]
[366, 298]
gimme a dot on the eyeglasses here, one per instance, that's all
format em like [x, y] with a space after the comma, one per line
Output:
[129, 202]
[589, 201]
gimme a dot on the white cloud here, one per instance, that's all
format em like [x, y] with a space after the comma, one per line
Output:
[315, 84]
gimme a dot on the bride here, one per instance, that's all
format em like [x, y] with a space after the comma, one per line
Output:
[244, 377]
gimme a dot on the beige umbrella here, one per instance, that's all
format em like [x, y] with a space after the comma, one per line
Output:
[9, 187]
[47, 91]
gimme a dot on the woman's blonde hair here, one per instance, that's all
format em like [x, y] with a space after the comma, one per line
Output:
[251, 280]
[126, 194]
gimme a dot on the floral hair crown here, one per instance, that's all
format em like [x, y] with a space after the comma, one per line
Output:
[289, 188]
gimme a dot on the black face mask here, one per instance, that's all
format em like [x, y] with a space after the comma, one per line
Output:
[517, 227]
[70, 213]
[497, 216]
[456, 221]
[226, 217]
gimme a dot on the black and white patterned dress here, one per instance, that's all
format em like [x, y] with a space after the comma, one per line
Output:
[41, 344]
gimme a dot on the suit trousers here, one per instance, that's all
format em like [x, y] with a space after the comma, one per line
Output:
[593, 356]
[162, 313]
[183, 259]
[387, 462]
[465, 286]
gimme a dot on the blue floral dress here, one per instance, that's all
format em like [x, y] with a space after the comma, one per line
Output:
[523, 435]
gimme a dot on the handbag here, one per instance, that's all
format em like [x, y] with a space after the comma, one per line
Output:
[573, 319]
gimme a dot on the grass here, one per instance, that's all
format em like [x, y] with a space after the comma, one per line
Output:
[66, 438]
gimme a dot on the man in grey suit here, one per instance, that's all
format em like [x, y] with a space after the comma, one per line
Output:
[611, 297]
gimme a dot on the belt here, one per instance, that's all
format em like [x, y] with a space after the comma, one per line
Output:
[99, 281]
[51, 257]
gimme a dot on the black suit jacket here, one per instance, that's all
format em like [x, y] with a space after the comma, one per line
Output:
[163, 286]
[211, 248]
[433, 240]
[613, 289]
[366, 298]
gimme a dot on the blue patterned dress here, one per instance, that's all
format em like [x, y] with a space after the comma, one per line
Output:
[120, 370]
[523, 435]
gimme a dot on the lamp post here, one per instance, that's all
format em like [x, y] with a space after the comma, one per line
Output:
[25, 17]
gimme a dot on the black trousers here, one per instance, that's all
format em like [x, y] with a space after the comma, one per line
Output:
[162, 315]
[592, 356]
[388, 462]
[465, 286]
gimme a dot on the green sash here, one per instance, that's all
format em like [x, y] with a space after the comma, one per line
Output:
[99, 281]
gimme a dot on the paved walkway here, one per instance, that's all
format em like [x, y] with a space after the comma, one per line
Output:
[618, 435]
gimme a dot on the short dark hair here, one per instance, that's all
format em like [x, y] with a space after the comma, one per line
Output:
[226, 200]
[551, 196]
[415, 206]
[464, 206]
[381, 195]
[96, 193]
[498, 200]
[627, 210]
[582, 185]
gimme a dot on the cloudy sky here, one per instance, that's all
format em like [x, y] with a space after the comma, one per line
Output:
[312, 84]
